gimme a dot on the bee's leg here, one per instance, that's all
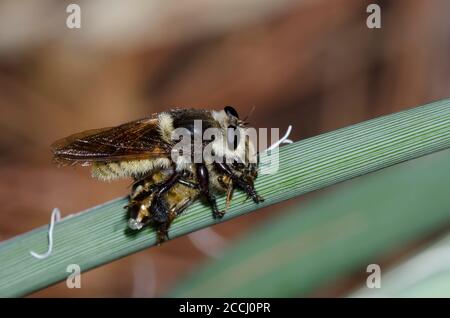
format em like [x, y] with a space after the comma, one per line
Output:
[227, 183]
[230, 190]
[248, 187]
[203, 183]
[188, 183]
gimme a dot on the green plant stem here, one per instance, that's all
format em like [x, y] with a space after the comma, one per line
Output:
[99, 235]
[320, 241]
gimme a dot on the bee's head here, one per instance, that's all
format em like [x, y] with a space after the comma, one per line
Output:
[236, 141]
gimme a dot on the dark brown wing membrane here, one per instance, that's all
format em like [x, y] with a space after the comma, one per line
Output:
[135, 140]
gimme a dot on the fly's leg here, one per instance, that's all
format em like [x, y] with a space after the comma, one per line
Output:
[203, 183]
[245, 185]
[161, 219]
[161, 215]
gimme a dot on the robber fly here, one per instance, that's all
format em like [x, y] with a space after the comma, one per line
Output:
[163, 187]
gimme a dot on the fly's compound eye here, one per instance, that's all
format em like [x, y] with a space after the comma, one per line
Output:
[230, 111]
[233, 136]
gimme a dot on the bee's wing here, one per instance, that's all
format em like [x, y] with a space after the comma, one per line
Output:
[135, 140]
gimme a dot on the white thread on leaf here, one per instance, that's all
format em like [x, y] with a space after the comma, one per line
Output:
[56, 216]
[283, 140]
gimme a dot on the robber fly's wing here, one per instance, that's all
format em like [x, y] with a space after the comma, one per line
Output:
[135, 140]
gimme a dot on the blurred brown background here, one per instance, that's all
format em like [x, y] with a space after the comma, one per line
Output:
[312, 64]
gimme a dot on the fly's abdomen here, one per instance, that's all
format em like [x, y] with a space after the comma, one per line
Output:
[127, 169]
